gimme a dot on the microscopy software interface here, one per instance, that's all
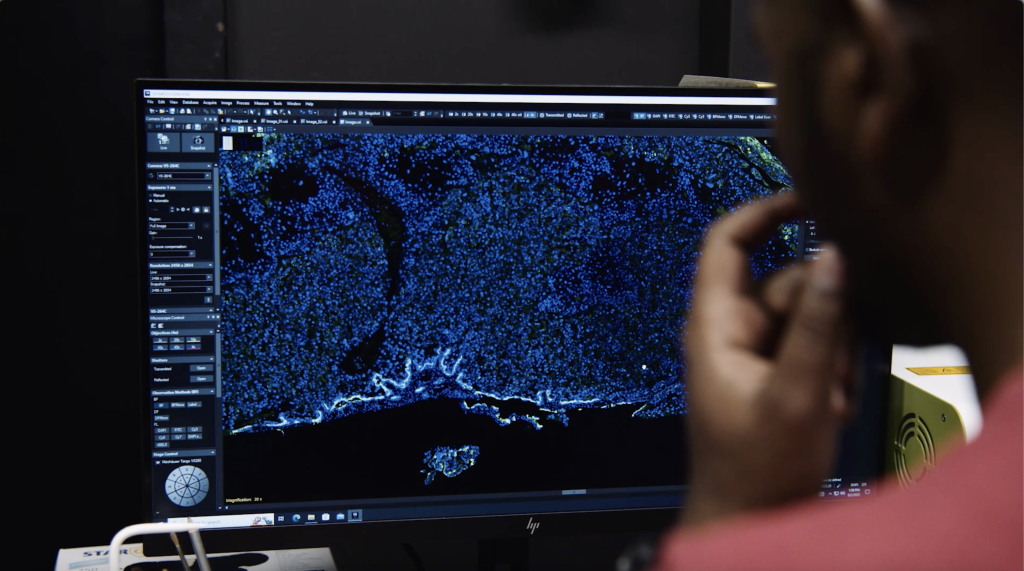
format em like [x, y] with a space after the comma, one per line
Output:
[381, 306]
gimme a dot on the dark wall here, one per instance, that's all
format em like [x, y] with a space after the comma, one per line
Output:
[623, 42]
[745, 58]
[69, 273]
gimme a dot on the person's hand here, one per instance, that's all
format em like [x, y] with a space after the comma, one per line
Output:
[768, 369]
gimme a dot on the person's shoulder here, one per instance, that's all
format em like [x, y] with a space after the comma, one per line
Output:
[966, 513]
[1007, 396]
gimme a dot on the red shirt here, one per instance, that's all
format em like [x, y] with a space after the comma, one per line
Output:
[967, 514]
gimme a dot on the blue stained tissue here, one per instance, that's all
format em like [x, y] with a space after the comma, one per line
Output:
[449, 461]
[504, 273]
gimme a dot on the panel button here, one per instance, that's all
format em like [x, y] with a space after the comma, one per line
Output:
[197, 143]
[163, 142]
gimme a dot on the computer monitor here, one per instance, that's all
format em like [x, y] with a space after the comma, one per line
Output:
[426, 311]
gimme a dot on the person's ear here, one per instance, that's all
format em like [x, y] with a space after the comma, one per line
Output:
[874, 93]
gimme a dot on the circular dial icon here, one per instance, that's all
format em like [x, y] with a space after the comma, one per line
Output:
[186, 486]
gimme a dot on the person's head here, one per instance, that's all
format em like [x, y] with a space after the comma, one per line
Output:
[901, 121]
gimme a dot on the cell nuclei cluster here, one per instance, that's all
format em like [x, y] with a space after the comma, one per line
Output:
[449, 461]
[544, 274]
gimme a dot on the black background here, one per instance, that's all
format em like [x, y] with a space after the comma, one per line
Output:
[598, 449]
[70, 339]
[67, 181]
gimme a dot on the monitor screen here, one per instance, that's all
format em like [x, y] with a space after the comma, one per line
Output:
[383, 303]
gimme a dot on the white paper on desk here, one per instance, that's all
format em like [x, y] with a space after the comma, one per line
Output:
[95, 559]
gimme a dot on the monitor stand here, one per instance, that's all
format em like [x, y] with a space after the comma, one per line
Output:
[507, 554]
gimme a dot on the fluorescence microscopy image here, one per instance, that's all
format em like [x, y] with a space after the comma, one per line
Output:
[523, 278]
[449, 462]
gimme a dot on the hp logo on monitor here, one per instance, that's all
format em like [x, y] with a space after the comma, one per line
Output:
[532, 525]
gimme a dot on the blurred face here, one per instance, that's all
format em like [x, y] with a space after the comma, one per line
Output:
[818, 131]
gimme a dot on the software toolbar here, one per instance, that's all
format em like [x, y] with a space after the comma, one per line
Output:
[174, 115]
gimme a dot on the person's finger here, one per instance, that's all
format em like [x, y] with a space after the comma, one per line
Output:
[815, 334]
[776, 300]
[750, 225]
[849, 378]
[781, 291]
[724, 266]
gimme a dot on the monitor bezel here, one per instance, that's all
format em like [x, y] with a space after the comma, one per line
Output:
[639, 521]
